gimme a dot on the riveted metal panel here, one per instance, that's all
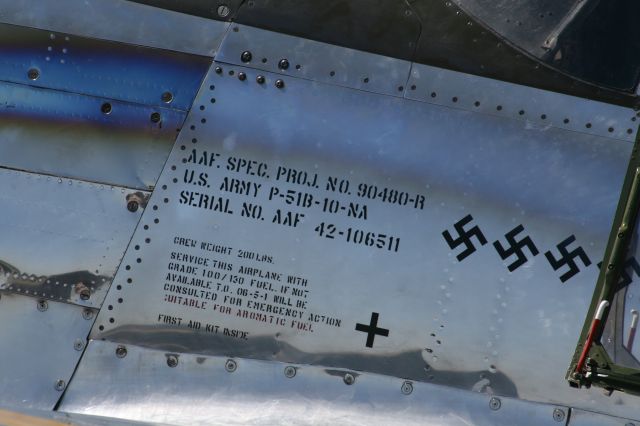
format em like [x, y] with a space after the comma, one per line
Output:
[539, 109]
[42, 342]
[119, 20]
[216, 391]
[66, 134]
[314, 60]
[99, 68]
[62, 239]
[322, 225]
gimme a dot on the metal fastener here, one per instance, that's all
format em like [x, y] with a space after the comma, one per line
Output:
[246, 56]
[172, 361]
[42, 305]
[105, 108]
[242, 76]
[167, 97]
[133, 206]
[121, 352]
[558, 415]
[283, 64]
[290, 371]
[83, 291]
[349, 379]
[230, 365]
[260, 79]
[60, 385]
[87, 314]
[495, 403]
[33, 74]
[223, 11]
[279, 83]
[155, 117]
[78, 345]
[218, 70]
[407, 388]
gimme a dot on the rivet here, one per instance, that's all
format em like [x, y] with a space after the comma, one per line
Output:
[283, 64]
[106, 108]
[121, 352]
[33, 74]
[260, 79]
[167, 97]
[245, 57]
[349, 379]
[223, 11]
[60, 385]
[132, 206]
[78, 345]
[42, 305]
[172, 361]
[85, 294]
[155, 117]
[279, 84]
[230, 365]
[218, 70]
[407, 388]
[495, 403]
[242, 76]
[558, 415]
[87, 314]
[290, 371]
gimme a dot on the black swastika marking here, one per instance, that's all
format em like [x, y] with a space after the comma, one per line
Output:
[372, 329]
[567, 258]
[626, 275]
[515, 248]
[464, 237]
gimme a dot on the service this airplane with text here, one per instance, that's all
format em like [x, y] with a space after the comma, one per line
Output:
[319, 212]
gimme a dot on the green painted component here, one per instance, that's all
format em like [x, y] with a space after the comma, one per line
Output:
[601, 369]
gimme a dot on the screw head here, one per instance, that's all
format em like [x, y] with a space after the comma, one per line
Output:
[167, 97]
[42, 305]
[85, 294]
[290, 371]
[495, 403]
[242, 76]
[230, 365]
[172, 361]
[78, 345]
[279, 83]
[558, 414]
[246, 56]
[106, 108]
[132, 206]
[260, 79]
[155, 117]
[223, 11]
[349, 379]
[87, 314]
[218, 70]
[33, 74]
[283, 64]
[121, 352]
[60, 385]
[406, 388]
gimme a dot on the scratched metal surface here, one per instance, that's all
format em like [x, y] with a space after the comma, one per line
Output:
[471, 323]
[200, 390]
[41, 345]
[62, 239]
[119, 20]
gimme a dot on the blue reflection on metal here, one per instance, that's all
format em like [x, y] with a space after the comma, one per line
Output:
[100, 68]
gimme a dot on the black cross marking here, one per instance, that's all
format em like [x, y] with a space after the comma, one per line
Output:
[372, 329]
[464, 237]
[567, 258]
[516, 248]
